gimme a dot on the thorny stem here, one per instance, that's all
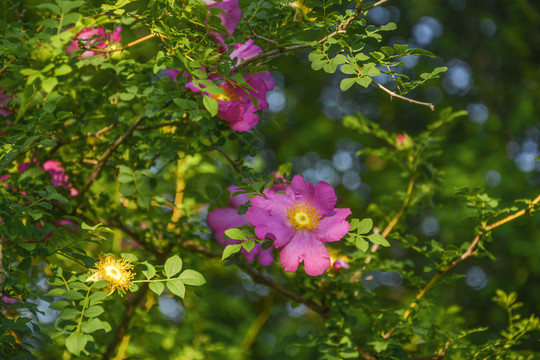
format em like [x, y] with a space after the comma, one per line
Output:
[394, 95]
[466, 254]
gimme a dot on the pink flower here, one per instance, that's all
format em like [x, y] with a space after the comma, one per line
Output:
[300, 222]
[235, 105]
[245, 51]
[97, 38]
[222, 219]
[58, 175]
[231, 15]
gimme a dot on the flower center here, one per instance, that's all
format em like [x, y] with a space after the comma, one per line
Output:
[303, 215]
[231, 93]
[113, 272]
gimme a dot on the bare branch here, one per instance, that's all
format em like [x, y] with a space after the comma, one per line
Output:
[394, 95]
[4, 68]
[101, 162]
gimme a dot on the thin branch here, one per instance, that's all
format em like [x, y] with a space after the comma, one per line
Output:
[133, 43]
[394, 95]
[124, 323]
[341, 29]
[97, 133]
[156, 126]
[466, 254]
[259, 278]
[233, 163]
[396, 218]
[4, 68]
[101, 162]
[273, 42]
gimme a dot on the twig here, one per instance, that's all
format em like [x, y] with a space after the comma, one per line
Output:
[273, 42]
[259, 278]
[101, 162]
[4, 68]
[466, 254]
[133, 43]
[156, 126]
[396, 218]
[233, 163]
[97, 133]
[394, 95]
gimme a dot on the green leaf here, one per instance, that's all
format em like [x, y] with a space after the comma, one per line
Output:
[93, 311]
[73, 295]
[192, 277]
[69, 314]
[58, 305]
[49, 84]
[94, 325]
[347, 83]
[62, 70]
[148, 270]
[97, 296]
[377, 238]
[173, 265]
[365, 226]
[157, 287]
[235, 234]
[76, 342]
[364, 81]
[211, 105]
[361, 244]
[248, 245]
[230, 249]
[177, 287]
[48, 143]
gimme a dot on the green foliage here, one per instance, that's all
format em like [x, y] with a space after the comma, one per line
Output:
[143, 159]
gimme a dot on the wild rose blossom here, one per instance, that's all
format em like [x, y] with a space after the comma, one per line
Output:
[59, 178]
[235, 105]
[229, 18]
[97, 38]
[300, 222]
[222, 219]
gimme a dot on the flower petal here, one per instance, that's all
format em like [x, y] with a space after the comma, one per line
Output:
[333, 227]
[270, 226]
[304, 247]
[220, 220]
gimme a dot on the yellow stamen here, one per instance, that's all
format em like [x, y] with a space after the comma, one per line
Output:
[116, 271]
[303, 216]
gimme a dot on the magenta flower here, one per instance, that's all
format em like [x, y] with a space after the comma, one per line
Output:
[300, 222]
[231, 15]
[58, 176]
[245, 51]
[97, 38]
[222, 219]
[235, 105]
